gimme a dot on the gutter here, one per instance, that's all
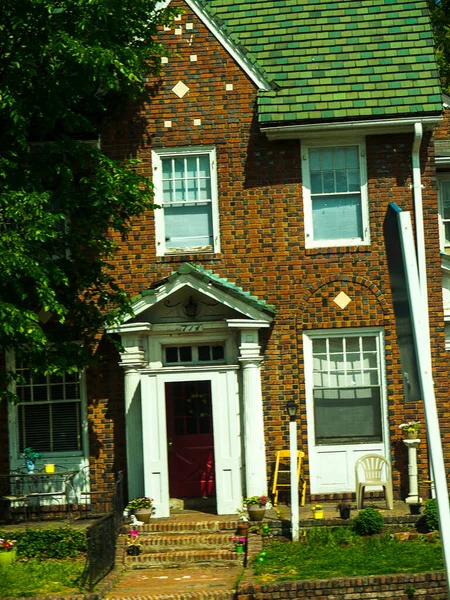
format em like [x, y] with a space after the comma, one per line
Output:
[379, 126]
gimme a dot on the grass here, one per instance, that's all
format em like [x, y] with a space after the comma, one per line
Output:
[339, 552]
[32, 577]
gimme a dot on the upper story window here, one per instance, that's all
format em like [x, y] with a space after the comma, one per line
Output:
[335, 195]
[194, 354]
[444, 213]
[186, 188]
[49, 412]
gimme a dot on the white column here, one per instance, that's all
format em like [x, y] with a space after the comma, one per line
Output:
[253, 434]
[294, 479]
[413, 496]
[133, 423]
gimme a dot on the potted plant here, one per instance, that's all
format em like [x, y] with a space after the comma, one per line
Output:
[242, 527]
[7, 552]
[410, 429]
[344, 510]
[30, 457]
[239, 543]
[256, 507]
[317, 510]
[141, 507]
[133, 546]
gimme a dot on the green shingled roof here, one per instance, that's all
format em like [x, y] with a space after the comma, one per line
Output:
[336, 60]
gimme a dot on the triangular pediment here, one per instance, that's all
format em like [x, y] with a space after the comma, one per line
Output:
[194, 294]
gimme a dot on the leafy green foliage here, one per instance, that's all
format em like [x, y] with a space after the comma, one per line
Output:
[67, 66]
[339, 552]
[431, 514]
[33, 577]
[368, 521]
[440, 19]
[61, 542]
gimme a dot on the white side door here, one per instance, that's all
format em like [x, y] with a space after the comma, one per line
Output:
[346, 404]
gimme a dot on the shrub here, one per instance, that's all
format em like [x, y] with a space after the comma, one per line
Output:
[431, 514]
[368, 522]
[61, 542]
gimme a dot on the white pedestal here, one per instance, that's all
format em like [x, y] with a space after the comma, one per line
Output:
[413, 496]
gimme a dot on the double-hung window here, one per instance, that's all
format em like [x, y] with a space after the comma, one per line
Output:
[444, 213]
[335, 195]
[346, 388]
[49, 412]
[186, 189]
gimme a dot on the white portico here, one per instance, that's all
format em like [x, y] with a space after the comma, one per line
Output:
[193, 400]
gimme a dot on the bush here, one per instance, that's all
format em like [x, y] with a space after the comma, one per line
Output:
[368, 522]
[431, 515]
[62, 542]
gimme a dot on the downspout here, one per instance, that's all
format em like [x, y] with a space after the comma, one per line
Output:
[420, 242]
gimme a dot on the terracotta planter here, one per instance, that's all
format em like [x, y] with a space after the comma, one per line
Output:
[7, 557]
[143, 514]
[255, 512]
[242, 530]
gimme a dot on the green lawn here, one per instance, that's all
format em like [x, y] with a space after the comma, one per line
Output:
[339, 552]
[31, 577]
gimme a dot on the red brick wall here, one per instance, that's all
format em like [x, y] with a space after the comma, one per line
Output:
[262, 231]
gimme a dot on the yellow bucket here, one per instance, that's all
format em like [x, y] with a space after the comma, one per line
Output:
[49, 468]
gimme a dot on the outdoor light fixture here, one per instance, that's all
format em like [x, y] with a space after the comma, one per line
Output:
[291, 407]
[191, 308]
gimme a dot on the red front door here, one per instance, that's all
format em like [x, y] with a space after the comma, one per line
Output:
[190, 439]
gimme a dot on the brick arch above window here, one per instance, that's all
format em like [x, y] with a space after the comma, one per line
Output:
[368, 305]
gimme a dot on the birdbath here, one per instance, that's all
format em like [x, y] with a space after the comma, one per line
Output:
[413, 496]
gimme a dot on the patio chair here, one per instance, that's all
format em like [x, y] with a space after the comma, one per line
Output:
[373, 466]
[282, 475]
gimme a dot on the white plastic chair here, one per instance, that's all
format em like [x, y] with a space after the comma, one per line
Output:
[372, 466]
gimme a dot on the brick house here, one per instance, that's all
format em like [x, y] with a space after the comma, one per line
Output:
[276, 137]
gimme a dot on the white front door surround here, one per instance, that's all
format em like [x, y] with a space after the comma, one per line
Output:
[238, 427]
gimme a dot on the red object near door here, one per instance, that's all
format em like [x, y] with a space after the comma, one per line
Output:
[190, 439]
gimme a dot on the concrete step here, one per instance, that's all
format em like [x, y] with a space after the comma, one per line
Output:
[176, 558]
[163, 526]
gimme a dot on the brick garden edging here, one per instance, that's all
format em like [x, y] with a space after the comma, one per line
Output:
[374, 587]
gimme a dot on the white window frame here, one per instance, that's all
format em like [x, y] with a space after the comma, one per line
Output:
[441, 179]
[157, 156]
[70, 460]
[310, 242]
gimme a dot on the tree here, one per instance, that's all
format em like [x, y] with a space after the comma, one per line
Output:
[65, 66]
[440, 20]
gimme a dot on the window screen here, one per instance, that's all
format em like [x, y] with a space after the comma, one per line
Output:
[49, 412]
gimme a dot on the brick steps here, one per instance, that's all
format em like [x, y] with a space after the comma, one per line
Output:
[182, 543]
[200, 595]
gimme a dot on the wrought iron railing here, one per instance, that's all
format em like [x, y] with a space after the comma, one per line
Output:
[101, 539]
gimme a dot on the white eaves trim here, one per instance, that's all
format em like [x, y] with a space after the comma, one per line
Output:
[229, 46]
[366, 127]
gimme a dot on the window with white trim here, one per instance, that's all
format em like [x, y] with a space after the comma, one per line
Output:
[185, 183]
[444, 213]
[335, 194]
[346, 382]
[49, 412]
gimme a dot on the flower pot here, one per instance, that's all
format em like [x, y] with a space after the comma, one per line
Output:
[255, 512]
[133, 550]
[239, 549]
[415, 509]
[143, 514]
[242, 529]
[411, 435]
[7, 557]
[30, 464]
[344, 513]
[318, 514]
